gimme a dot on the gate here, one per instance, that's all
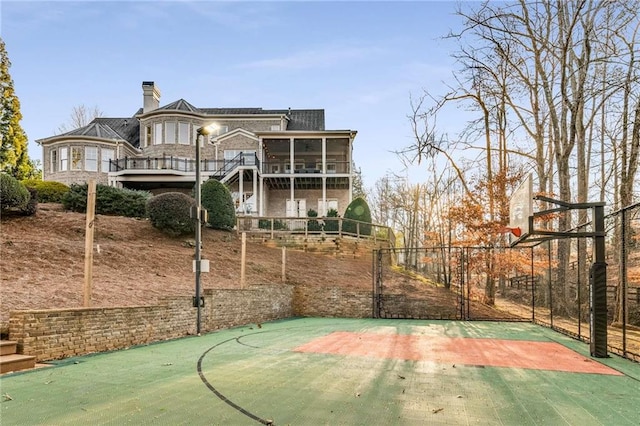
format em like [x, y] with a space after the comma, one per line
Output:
[463, 283]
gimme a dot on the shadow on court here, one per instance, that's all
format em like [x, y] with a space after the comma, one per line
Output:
[314, 371]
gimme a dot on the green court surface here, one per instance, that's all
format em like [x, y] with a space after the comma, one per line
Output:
[313, 371]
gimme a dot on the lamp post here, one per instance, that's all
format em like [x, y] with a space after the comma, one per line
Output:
[205, 130]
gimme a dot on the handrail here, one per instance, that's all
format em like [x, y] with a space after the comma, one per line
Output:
[218, 167]
[314, 225]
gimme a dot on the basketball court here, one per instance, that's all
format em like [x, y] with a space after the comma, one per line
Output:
[313, 371]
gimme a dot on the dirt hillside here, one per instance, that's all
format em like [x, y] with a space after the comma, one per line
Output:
[42, 265]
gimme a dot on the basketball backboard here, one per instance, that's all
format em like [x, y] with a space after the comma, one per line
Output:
[520, 209]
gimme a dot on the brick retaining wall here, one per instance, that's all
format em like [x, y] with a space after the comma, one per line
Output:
[332, 302]
[60, 333]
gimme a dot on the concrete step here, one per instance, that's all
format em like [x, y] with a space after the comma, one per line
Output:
[16, 362]
[8, 347]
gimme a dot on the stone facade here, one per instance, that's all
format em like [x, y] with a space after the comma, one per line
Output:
[155, 150]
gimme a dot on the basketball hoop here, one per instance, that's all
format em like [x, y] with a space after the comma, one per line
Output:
[516, 231]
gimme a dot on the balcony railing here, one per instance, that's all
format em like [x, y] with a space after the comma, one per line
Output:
[218, 167]
[281, 166]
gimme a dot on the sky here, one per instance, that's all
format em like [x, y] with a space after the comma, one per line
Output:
[360, 61]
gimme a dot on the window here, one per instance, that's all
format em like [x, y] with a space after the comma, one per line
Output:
[230, 154]
[331, 166]
[297, 208]
[53, 161]
[157, 133]
[148, 136]
[107, 155]
[76, 158]
[183, 133]
[64, 159]
[274, 168]
[332, 203]
[297, 166]
[91, 158]
[221, 130]
[170, 132]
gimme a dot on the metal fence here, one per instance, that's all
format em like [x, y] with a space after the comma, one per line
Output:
[530, 283]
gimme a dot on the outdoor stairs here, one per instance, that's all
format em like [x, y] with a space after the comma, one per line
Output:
[12, 361]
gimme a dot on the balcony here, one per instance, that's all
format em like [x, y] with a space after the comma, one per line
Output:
[215, 168]
[279, 167]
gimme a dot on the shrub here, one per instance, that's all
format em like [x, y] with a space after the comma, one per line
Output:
[216, 198]
[170, 212]
[12, 193]
[313, 225]
[358, 210]
[331, 225]
[48, 191]
[32, 205]
[109, 200]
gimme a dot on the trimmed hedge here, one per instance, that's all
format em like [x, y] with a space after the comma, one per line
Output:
[358, 210]
[109, 200]
[216, 198]
[13, 194]
[170, 212]
[48, 191]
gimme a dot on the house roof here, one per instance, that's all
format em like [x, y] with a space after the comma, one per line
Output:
[179, 105]
[128, 129]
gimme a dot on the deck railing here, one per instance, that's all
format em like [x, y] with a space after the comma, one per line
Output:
[322, 226]
[218, 167]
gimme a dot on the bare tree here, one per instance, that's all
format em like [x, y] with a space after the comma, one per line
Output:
[80, 116]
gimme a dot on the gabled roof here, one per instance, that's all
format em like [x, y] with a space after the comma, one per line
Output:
[128, 129]
[179, 105]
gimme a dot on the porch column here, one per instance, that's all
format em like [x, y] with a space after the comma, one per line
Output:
[324, 194]
[292, 195]
[254, 208]
[241, 188]
[261, 202]
[324, 155]
[291, 158]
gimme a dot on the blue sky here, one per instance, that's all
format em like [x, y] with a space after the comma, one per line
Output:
[360, 61]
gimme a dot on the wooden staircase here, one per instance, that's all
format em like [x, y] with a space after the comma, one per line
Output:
[12, 361]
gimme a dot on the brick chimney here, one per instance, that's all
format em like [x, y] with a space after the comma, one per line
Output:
[150, 96]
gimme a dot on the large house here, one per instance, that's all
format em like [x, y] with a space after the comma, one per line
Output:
[275, 162]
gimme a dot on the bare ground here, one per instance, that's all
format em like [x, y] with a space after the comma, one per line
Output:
[42, 265]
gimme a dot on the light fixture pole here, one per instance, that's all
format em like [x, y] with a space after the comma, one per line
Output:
[206, 130]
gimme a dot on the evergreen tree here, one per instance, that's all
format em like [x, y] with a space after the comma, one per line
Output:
[14, 158]
[358, 210]
[217, 199]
